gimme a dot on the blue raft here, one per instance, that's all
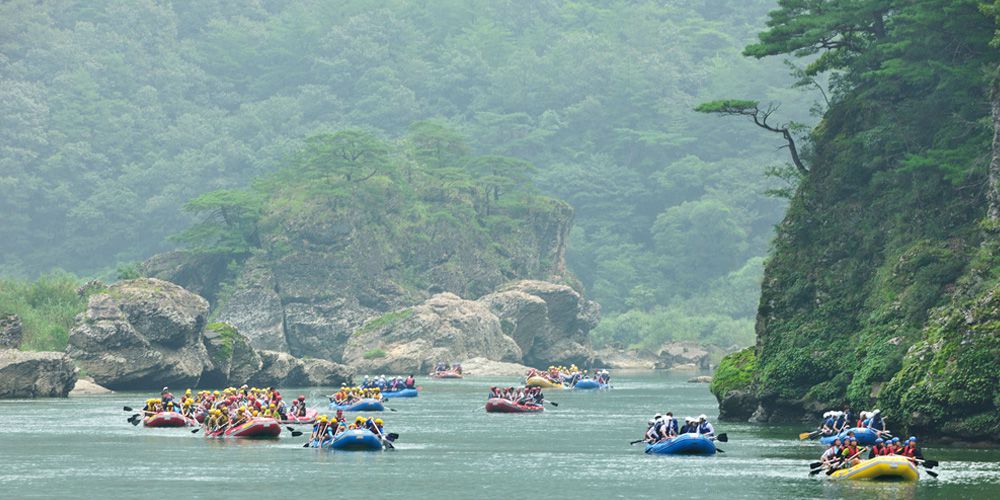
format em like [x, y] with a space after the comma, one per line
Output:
[356, 440]
[588, 383]
[366, 404]
[402, 393]
[864, 435]
[684, 444]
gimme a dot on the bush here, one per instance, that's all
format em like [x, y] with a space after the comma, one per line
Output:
[374, 353]
[47, 308]
[734, 373]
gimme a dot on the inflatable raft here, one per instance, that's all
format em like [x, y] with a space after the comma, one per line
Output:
[309, 418]
[891, 468]
[500, 405]
[536, 381]
[684, 444]
[402, 393]
[589, 383]
[446, 374]
[367, 404]
[166, 419]
[865, 436]
[258, 427]
[356, 440]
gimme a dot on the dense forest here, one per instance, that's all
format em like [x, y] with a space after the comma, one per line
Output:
[114, 114]
[881, 289]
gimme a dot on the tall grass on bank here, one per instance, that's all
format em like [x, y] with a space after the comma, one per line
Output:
[46, 308]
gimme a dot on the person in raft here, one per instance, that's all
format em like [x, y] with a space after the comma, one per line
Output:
[704, 428]
[661, 427]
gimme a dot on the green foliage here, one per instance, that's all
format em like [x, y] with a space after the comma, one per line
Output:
[128, 271]
[227, 222]
[228, 335]
[374, 354]
[47, 308]
[728, 107]
[735, 373]
[383, 321]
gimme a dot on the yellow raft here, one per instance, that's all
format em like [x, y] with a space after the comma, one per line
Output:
[889, 467]
[542, 382]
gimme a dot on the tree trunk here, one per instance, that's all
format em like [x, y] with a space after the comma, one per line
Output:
[993, 192]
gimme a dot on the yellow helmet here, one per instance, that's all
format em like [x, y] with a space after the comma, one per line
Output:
[359, 419]
[187, 391]
[378, 421]
[271, 406]
[216, 393]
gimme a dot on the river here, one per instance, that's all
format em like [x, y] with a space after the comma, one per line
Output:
[448, 448]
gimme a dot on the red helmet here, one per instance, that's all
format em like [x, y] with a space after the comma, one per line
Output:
[302, 398]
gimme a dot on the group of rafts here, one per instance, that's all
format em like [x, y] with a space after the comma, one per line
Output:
[863, 448]
[529, 399]
[260, 413]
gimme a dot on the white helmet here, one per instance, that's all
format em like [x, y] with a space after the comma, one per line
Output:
[827, 414]
[650, 422]
[702, 417]
[876, 412]
[657, 416]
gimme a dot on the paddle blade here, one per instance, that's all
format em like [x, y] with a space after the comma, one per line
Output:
[134, 422]
[127, 408]
[931, 473]
[722, 438]
[815, 464]
[815, 471]
[392, 436]
[388, 445]
[296, 433]
[720, 450]
[805, 435]
[290, 428]
[391, 409]
[305, 445]
[931, 463]
[195, 431]
[553, 403]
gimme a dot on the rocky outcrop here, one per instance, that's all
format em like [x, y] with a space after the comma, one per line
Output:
[482, 366]
[234, 362]
[737, 405]
[86, 387]
[551, 323]
[625, 359]
[283, 369]
[686, 355]
[255, 309]
[140, 334]
[35, 374]
[11, 331]
[443, 328]
[200, 273]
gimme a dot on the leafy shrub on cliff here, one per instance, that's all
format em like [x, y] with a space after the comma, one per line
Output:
[228, 334]
[735, 372]
[387, 319]
[374, 353]
[46, 307]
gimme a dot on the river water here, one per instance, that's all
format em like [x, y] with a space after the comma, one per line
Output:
[448, 448]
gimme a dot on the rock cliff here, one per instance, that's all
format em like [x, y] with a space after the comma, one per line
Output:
[35, 374]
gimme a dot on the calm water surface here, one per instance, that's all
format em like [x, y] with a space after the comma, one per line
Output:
[448, 448]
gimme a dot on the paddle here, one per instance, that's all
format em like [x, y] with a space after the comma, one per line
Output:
[930, 472]
[196, 429]
[127, 408]
[720, 450]
[553, 403]
[834, 469]
[636, 442]
[809, 435]
[392, 436]
[722, 438]
[928, 463]
[815, 464]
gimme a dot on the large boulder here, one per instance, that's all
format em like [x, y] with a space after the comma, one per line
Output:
[281, 369]
[11, 331]
[234, 361]
[550, 322]
[142, 334]
[35, 374]
[443, 328]
[682, 354]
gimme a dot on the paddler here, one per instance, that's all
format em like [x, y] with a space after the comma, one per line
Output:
[651, 435]
[831, 456]
[704, 427]
[877, 450]
[410, 382]
[829, 421]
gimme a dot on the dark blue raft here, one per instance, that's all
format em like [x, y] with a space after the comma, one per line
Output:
[402, 393]
[684, 444]
[356, 440]
[588, 383]
[864, 435]
[367, 404]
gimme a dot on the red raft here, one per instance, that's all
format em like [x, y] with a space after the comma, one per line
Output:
[446, 374]
[166, 419]
[499, 405]
[258, 427]
[309, 418]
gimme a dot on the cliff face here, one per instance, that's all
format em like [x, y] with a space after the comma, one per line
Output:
[325, 270]
[880, 292]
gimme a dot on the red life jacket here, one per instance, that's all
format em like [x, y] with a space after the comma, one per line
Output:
[908, 452]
